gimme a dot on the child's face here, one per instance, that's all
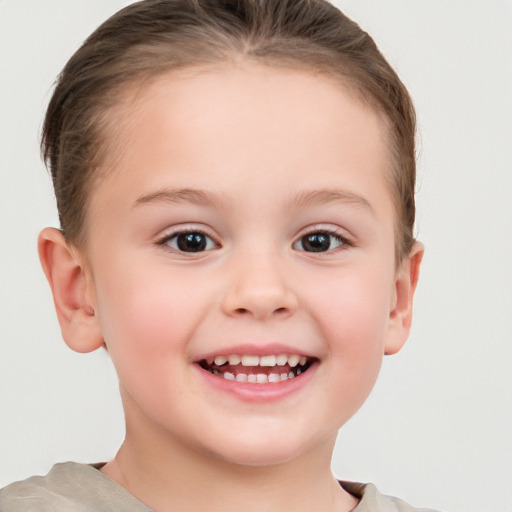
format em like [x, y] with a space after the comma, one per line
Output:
[248, 162]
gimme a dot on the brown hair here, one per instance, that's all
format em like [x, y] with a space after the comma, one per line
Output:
[153, 37]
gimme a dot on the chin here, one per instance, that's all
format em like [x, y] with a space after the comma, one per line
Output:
[263, 451]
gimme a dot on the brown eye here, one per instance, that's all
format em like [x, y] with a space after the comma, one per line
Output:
[190, 242]
[320, 241]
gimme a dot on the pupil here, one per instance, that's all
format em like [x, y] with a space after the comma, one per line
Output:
[191, 242]
[316, 242]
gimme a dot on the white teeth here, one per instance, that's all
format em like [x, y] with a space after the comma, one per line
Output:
[267, 360]
[293, 360]
[281, 359]
[220, 360]
[250, 360]
[259, 378]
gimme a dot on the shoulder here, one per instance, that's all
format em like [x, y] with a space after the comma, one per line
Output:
[68, 487]
[371, 500]
[44, 493]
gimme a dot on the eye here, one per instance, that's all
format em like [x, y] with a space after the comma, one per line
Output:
[190, 241]
[319, 241]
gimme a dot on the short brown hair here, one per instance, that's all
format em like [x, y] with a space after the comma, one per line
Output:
[153, 37]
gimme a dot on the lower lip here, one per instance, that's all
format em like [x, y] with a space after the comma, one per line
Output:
[252, 392]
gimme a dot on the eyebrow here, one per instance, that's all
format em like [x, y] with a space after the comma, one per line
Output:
[205, 198]
[328, 195]
[183, 195]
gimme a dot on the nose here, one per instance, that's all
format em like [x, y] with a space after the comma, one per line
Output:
[257, 288]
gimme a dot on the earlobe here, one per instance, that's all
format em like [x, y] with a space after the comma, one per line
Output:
[406, 281]
[71, 287]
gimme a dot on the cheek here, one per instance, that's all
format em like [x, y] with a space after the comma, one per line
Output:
[148, 318]
[354, 308]
[146, 315]
[353, 315]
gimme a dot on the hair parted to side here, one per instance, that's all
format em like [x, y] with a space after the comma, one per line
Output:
[150, 38]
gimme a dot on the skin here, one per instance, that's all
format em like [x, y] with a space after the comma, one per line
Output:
[260, 143]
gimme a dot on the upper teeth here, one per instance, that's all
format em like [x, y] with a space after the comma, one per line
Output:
[270, 360]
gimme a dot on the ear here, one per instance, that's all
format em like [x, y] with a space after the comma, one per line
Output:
[400, 318]
[72, 289]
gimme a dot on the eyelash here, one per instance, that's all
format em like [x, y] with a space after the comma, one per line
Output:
[164, 241]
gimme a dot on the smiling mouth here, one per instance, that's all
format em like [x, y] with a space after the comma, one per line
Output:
[257, 369]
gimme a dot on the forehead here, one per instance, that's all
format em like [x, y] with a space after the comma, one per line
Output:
[245, 123]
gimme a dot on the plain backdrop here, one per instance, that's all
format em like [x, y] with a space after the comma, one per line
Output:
[437, 430]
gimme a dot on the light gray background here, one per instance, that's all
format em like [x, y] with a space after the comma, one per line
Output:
[437, 428]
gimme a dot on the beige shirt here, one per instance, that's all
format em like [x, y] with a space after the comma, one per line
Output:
[72, 487]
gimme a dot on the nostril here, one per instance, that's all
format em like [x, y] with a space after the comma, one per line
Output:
[278, 311]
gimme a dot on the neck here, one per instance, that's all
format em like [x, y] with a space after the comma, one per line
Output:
[167, 476]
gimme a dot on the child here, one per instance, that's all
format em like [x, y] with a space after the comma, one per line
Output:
[235, 184]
